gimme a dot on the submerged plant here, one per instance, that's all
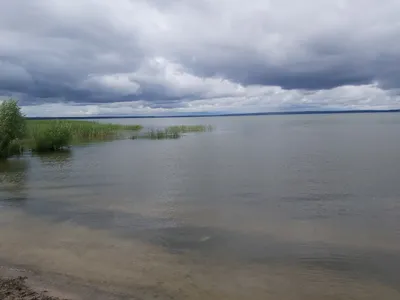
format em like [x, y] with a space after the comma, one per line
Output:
[161, 134]
[190, 128]
[171, 132]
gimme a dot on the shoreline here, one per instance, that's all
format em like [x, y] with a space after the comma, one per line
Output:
[21, 284]
[16, 288]
[18, 283]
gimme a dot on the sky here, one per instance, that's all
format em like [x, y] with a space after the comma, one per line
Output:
[163, 57]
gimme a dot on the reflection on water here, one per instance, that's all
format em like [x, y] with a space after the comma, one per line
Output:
[56, 159]
[288, 207]
[13, 176]
[13, 171]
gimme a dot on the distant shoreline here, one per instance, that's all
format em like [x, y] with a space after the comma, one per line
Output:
[222, 115]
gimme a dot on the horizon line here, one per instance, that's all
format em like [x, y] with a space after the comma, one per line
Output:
[202, 115]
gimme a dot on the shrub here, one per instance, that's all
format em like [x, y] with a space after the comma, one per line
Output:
[12, 128]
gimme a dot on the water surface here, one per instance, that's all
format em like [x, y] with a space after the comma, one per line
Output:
[266, 207]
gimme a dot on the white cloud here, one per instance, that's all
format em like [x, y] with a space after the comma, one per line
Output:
[120, 83]
[254, 99]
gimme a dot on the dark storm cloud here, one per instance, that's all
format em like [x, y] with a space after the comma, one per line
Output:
[180, 52]
[326, 64]
[292, 77]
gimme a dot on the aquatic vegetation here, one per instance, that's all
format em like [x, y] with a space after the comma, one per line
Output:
[12, 128]
[51, 136]
[157, 134]
[190, 128]
[54, 135]
[85, 130]
[171, 132]
[18, 134]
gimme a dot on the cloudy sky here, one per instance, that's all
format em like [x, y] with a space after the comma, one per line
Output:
[135, 57]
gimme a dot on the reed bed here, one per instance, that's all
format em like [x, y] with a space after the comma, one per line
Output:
[54, 135]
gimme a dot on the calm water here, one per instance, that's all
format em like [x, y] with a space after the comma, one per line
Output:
[269, 207]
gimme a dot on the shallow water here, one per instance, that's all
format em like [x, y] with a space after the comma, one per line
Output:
[267, 207]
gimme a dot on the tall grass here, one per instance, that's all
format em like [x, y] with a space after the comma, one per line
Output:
[51, 136]
[54, 135]
[84, 130]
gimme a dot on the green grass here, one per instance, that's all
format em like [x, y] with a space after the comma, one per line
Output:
[55, 135]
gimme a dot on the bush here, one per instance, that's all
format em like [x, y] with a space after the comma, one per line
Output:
[12, 128]
[53, 137]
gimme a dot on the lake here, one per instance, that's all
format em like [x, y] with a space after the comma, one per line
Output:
[266, 207]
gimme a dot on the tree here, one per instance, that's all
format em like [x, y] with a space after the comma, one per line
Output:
[12, 127]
